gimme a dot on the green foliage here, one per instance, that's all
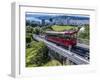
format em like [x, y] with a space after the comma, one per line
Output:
[49, 28]
[85, 34]
[33, 25]
[28, 23]
[53, 63]
[37, 31]
[28, 39]
[29, 32]
[37, 52]
[29, 29]
[37, 55]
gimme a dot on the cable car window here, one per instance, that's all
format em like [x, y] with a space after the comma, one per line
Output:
[67, 36]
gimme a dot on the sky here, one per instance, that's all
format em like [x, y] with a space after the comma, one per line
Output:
[39, 16]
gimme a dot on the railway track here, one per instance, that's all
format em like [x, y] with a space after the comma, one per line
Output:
[83, 52]
[72, 54]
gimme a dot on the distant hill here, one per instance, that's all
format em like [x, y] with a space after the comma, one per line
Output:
[45, 19]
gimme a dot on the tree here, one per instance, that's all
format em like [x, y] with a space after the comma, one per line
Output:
[36, 31]
[27, 23]
[28, 39]
[29, 29]
[85, 34]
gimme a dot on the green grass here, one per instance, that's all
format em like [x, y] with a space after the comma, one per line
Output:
[63, 28]
[53, 63]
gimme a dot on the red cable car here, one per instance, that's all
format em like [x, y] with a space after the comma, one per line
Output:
[67, 38]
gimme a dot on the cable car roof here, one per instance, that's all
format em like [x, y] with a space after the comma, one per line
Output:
[70, 32]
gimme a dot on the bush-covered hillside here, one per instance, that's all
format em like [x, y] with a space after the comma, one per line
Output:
[37, 52]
